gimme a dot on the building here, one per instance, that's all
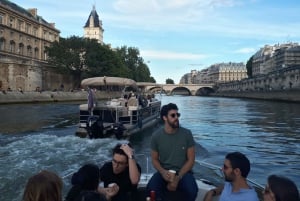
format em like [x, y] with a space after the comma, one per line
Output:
[273, 58]
[93, 27]
[24, 37]
[216, 73]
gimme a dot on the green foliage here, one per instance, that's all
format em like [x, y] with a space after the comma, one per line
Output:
[138, 69]
[83, 58]
[249, 67]
[169, 81]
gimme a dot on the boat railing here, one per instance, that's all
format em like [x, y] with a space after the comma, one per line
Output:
[220, 172]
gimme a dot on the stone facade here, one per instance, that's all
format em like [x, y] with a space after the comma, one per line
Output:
[276, 57]
[24, 37]
[217, 73]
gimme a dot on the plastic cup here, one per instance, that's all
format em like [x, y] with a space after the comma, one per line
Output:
[172, 174]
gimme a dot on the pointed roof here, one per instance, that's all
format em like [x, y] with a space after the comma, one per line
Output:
[94, 14]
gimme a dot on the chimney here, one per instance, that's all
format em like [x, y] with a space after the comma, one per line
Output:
[52, 24]
[33, 11]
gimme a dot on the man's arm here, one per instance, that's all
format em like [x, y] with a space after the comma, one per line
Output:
[213, 192]
[156, 164]
[134, 173]
[188, 165]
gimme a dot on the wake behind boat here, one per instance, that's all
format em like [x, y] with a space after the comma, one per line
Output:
[121, 117]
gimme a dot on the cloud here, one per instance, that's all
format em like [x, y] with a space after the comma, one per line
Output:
[167, 55]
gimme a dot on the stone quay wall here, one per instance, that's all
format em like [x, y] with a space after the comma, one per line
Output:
[280, 95]
[11, 97]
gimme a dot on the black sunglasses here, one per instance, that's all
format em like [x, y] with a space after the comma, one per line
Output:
[173, 115]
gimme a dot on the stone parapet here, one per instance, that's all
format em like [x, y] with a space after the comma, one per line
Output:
[282, 95]
[9, 97]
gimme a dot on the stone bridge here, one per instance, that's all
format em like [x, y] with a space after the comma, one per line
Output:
[180, 89]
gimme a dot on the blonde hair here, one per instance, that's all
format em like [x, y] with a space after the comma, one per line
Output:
[44, 186]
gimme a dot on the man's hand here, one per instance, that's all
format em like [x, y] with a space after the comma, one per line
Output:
[172, 186]
[110, 191]
[166, 175]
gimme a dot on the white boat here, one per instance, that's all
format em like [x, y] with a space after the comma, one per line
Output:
[211, 177]
[118, 117]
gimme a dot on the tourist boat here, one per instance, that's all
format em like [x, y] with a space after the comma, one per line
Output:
[119, 117]
[211, 177]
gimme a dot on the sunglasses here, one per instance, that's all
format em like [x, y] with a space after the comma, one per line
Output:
[225, 167]
[118, 162]
[173, 115]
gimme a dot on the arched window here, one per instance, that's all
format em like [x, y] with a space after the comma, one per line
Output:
[36, 53]
[12, 46]
[29, 51]
[2, 44]
[21, 49]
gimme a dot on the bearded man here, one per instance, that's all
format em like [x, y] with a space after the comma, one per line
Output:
[172, 148]
[236, 168]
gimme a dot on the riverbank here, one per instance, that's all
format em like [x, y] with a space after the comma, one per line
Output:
[280, 95]
[11, 97]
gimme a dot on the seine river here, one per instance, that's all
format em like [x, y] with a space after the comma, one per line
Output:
[41, 136]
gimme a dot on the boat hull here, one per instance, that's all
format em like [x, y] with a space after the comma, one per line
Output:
[115, 119]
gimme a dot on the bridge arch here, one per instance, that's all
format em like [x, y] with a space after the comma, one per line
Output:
[180, 90]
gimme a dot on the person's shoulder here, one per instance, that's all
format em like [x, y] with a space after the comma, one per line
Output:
[185, 130]
[158, 131]
[106, 165]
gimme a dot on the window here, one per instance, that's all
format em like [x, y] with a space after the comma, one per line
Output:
[21, 49]
[36, 52]
[20, 25]
[11, 21]
[29, 50]
[2, 43]
[1, 18]
[28, 28]
[12, 47]
[35, 31]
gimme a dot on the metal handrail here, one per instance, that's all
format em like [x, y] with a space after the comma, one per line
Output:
[215, 167]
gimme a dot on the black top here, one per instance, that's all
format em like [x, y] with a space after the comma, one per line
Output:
[122, 179]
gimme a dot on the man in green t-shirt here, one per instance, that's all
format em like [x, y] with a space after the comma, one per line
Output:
[172, 148]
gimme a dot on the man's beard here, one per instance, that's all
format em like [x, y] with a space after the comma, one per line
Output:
[174, 124]
[228, 179]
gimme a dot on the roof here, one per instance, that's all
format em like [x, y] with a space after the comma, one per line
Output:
[97, 22]
[25, 12]
[102, 81]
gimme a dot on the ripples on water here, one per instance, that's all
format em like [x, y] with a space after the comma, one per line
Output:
[35, 137]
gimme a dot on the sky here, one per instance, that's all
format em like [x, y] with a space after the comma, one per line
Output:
[177, 36]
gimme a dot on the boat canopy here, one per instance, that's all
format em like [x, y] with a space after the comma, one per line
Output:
[108, 81]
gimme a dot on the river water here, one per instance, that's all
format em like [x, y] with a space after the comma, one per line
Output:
[41, 136]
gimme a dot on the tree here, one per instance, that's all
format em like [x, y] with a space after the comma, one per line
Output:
[82, 57]
[138, 69]
[169, 81]
[249, 67]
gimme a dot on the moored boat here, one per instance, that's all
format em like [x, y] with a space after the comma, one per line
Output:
[119, 117]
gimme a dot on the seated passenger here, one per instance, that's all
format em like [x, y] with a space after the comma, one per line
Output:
[123, 172]
[236, 169]
[85, 185]
[280, 188]
[179, 157]
[46, 186]
[132, 101]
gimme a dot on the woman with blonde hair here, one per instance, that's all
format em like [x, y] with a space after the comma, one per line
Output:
[44, 186]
